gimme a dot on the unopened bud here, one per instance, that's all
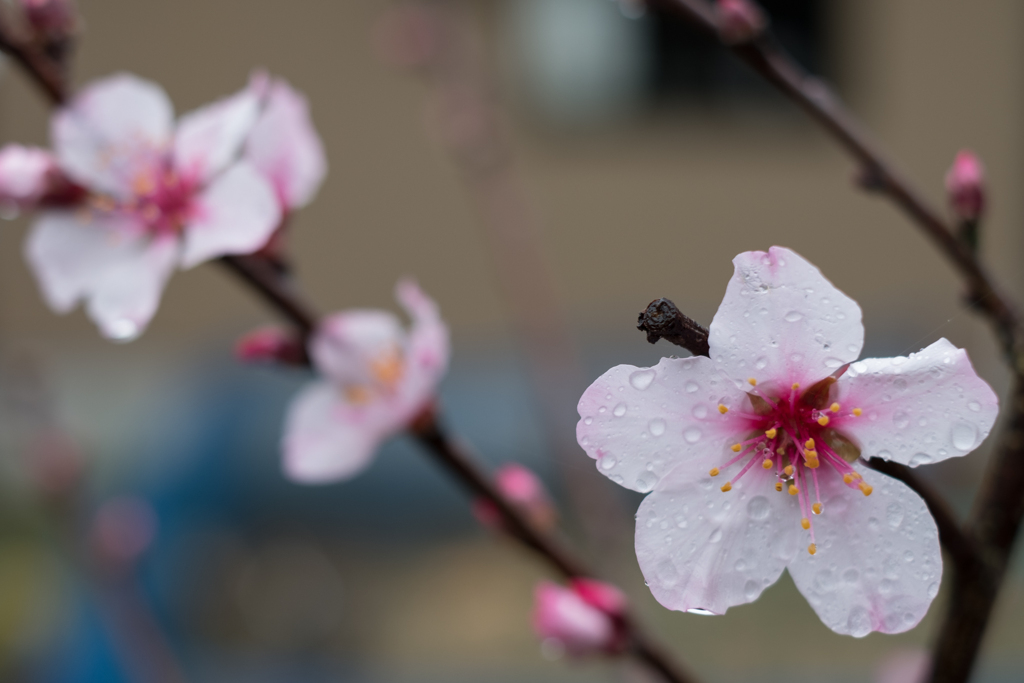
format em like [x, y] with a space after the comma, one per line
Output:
[54, 19]
[965, 185]
[568, 622]
[269, 345]
[739, 21]
[525, 491]
[601, 595]
[27, 174]
[122, 530]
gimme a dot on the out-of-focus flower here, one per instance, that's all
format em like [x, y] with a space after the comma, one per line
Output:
[378, 378]
[783, 410]
[285, 147]
[26, 175]
[525, 491]
[55, 19]
[582, 619]
[122, 530]
[903, 666]
[965, 186]
[161, 196]
[739, 21]
[269, 345]
[409, 35]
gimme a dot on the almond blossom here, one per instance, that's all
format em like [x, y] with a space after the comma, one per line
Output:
[582, 619]
[161, 195]
[377, 378]
[753, 456]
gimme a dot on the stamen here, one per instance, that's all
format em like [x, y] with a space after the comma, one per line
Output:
[767, 464]
[737, 447]
[778, 486]
[857, 412]
[805, 523]
[753, 382]
[865, 488]
[809, 444]
[714, 472]
[788, 469]
[847, 478]
[816, 508]
[722, 409]
[727, 486]
[812, 548]
[823, 420]
[834, 407]
[771, 433]
[793, 490]
[796, 385]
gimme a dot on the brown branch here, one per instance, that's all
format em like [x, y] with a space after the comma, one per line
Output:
[47, 73]
[663, 320]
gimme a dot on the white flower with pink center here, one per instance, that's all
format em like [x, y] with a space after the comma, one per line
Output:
[753, 456]
[161, 196]
[377, 378]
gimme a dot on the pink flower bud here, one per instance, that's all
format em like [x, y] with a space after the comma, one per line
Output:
[564, 618]
[739, 21]
[122, 530]
[269, 345]
[965, 185]
[525, 491]
[53, 18]
[27, 174]
[603, 596]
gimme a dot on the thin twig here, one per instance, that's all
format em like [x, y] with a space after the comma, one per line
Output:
[48, 74]
[663, 320]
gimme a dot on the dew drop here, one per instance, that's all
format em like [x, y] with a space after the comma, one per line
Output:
[602, 410]
[900, 419]
[894, 515]
[123, 330]
[656, 426]
[715, 536]
[641, 379]
[692, 435]
[700, 411]
[741, 565]
[794, 316]
[608, 462]
[692, 387]
[974, 406]
[908, 556]
[701, 611]
[751, 589]
[833, 362]
[964, 435]
[588, 421]
[851, 575]
[620, 410]
[758, 508]
[646, 481]
[761, 363]
[920, 459]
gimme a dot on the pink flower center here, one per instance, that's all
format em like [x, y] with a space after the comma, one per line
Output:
[795, 433]
[163, 201]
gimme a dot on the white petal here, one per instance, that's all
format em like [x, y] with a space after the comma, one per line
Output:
[112, 131]
[326, 439]
[126, 296]
[918, 409]
[427, 349]
[285, 146]
[237, 214]
[639, 423]
[878, 564]
[700, 548]
[209, 138]
[345, 344]
[781, 319]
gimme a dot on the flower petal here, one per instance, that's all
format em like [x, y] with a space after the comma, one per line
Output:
[427, 349]
[700, 548]
[237, 214]
[639, 423]
[782, 319]
[345, 344]
[326, 439]
[209, 138]
[286, 148]
[878, 564]
[112, 131]
[918, 409]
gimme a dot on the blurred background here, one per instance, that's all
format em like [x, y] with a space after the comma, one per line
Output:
[545, 168]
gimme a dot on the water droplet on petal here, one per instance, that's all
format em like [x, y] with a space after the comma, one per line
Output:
[974, 406]
[751, 589]
[641, 379]
[692, 435]
[894, 515]
[900, 419]
[123, 330]
[964, 435]
[608, 462]
[646, 481]
[920, 459]
[656, 426]
[741, 565]
[794, 316]
[758, 508]
[620, 410]
[588, 421]
[715, 536]
[692, 387]
[701, 611]
[761, 363]
[700, 411]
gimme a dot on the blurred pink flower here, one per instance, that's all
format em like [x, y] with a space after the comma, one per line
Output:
[783, 410]
[285, 147]
[525, 491]
[738, 21]
[377, 378]
[582, 619]
[26, 176]
[965, 186]
[55, 18]
[161, 196]
[269, 345]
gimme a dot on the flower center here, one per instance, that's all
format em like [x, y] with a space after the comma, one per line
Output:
[162, 201]
[795, 433]
[385, 371]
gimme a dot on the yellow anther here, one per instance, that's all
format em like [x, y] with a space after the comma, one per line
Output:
[796, 385]
[737, 447]
[823, 420]
[778, 486]
[793, 490]
[809, 443]
[857, 412]
[722, 409]
[812, 454]
[805, 523]
[834, 407]
[813, 463]
[714, 472]
[816, 508]
[788, 469]
[727, 486]
[865, 488]
[847, 478]
[856, 475]
[767, 464]
[771, 433]
[753, 382]
[812, 549]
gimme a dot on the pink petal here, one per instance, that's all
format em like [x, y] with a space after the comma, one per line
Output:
[325, 439]
[103, 259]
[559, 613]
[878, 564]
[700, 548]
[782, 319]
[25, 175]
[209, 138]
[640, 423]
[345, 344]
[286, 148]
[237, 214]
[918, 409]
[427, 349]
[112, 131]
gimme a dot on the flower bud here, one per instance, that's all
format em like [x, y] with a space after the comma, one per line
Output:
[567, 621]
[27, 174]
[122, 530]
[525, 492]
[54, 19]
[271, 345]
[965, 186]
[739, 21]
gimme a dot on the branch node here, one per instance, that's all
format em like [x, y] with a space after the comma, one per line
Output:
[663, 320]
